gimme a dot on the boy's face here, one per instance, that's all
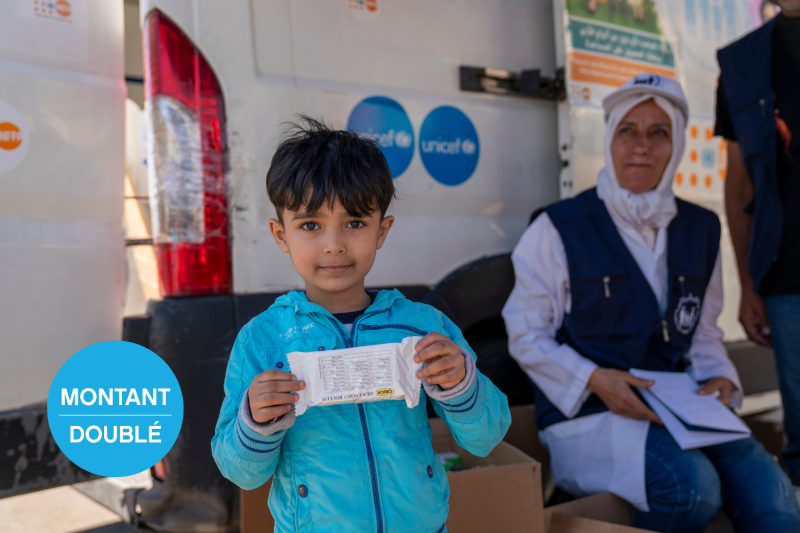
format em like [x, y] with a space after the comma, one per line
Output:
[331, 250]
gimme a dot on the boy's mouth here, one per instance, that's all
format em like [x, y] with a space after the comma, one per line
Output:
[335, 269]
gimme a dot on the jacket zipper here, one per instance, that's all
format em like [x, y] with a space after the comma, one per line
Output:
[664, 329]
[664, 325]
[373, 472]
[362, 415]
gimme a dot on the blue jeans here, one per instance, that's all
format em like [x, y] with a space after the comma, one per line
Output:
[784, 320]
[686, 488]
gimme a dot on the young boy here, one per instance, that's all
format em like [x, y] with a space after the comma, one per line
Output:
[352, 467]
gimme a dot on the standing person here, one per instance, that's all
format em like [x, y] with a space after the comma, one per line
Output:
[348, 467]
[627, 276]
[758, 112]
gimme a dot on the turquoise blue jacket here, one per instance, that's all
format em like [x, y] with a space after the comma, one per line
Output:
[353, 467]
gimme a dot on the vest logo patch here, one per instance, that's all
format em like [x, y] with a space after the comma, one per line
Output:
[687, 313]
[647, 79]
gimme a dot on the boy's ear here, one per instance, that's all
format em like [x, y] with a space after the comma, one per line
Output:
[386, 225]
[276, 228]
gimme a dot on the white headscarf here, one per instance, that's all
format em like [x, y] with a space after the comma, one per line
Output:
[652, 209]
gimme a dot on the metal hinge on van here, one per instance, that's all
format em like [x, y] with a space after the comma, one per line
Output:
[501, 81]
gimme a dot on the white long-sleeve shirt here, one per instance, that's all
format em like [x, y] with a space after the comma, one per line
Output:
[603, 451]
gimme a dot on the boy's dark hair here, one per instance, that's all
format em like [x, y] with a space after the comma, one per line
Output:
[316, 165]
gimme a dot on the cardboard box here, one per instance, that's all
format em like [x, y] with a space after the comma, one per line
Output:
[606, 513]
[254, 511]
[501, 492]
[604, 507]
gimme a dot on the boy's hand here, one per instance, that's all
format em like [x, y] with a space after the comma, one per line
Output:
[271, 394]
[444, 362]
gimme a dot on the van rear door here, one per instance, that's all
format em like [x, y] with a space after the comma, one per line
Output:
[62, 271]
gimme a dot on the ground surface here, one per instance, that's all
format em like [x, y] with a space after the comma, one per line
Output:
[59, 510]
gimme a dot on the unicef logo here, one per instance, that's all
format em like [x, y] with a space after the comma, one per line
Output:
[468, 147]
[115, 409]
[449, 145]
[403, 139]
[385, 121]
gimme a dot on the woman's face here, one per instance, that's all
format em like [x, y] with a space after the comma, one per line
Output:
[642, 147]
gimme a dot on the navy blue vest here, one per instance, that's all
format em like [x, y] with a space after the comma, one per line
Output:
[615, 320]
[746, 71]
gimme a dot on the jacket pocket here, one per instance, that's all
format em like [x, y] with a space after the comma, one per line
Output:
[393, 329]
[312, 344]
[602, 306]
[434, 474]
[303, 497]
[371, 334]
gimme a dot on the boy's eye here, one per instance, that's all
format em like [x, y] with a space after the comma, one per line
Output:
[309, 226]
[355, 224]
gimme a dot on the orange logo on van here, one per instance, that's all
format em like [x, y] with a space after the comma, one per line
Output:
[63, 8]
[723, 159]
[10, 136]
[369, 5]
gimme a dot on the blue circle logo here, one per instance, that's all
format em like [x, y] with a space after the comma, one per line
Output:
[386, 122]
[449, 146]
[115, 408]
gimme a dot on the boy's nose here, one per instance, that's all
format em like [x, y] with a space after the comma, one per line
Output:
[334, 243]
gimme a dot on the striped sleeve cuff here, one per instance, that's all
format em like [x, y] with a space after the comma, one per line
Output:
[439, 394]
[255, 441]
[464, 402]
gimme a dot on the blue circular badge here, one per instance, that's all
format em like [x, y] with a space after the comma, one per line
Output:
[449, 146]
[386, 122]
[115, 408]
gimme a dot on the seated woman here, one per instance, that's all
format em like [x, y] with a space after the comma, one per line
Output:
[627, 276]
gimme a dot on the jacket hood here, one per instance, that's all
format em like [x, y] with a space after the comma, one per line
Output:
[299, 302]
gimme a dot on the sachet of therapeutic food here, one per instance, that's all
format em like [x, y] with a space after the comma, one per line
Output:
[356, 375]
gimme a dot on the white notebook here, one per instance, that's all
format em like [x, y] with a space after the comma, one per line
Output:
[694, 421]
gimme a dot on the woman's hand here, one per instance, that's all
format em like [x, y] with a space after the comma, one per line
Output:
[613, 387]
[723, 385]
[444, 362]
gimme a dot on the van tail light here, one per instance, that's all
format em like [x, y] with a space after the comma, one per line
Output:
[187, 164]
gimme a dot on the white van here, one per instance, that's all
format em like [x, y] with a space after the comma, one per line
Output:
[62, 269]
